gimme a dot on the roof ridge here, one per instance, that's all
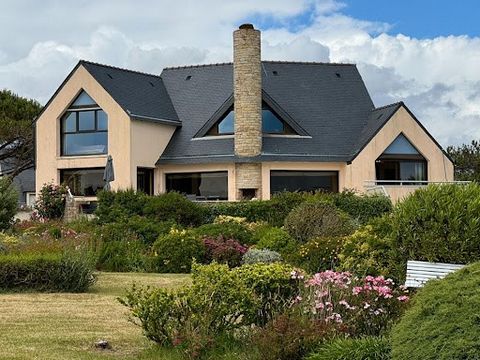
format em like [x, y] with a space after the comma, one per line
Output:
[389, 105]
[118, 68]
[196, 66]
[307, 62]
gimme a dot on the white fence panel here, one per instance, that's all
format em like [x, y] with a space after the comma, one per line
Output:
[419, 272]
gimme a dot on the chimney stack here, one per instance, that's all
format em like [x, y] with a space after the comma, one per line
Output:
[247, 95]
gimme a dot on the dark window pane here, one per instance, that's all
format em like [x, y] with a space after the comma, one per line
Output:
[226, 126]
[102, 120]
[271, 124]
[86, 120]
[401, 170]
[83, 182]
[69, 122]
[200, 186]
[145, 180]
[85, 144]
[83, 99]
[303, 181]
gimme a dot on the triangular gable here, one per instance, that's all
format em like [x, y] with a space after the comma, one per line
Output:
[401, 146]
[273, 117]
[83, 99]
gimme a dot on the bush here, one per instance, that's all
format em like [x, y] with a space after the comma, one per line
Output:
[149, 230]
[224, 251]
[51, 202]
[175, 207]
[119, 249]
[119, 206]
[229, 230]
[316, 219]
[275, 239]
[45, 272]
[320, 254]
[263, 256]
[174, 252]
[366, 348]
[8, 203]
[438, 223]
[443, 322]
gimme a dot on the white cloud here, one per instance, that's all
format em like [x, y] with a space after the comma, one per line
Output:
[439, 79]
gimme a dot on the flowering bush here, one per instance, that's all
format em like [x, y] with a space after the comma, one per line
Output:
[365, 306]
[320, 254]
[51, 202]
[224, 250]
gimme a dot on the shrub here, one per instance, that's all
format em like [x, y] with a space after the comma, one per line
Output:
[174, 252]
[367, 306]
[316, 219]
[263, 256]
[443, 321]
[119, 206]
[275, 239]
[223, 251]
[289, 337]
[369, 251]
[366, 348]
[228, 230]
[51, 202]
[8, 203]
[320, 254]
[148, 230]
[175, 207]
[438, 223]
[46, 272]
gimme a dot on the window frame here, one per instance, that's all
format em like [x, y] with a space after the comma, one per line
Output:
[335, 188]
[199, 197]
[62, 176]
[77, 110]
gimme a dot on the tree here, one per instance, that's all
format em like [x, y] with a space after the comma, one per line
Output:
[467, 161]
[17, 147]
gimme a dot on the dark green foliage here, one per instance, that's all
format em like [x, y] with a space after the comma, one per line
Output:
[148, 229]
[362, 207]
[320, 254]
[275, 239]
[50, 204]
[229, 230]
[175, 251]
[367, 348]
[45, 272]
[119, 206]
[443, 322]
[466, 158]
[439, 223]
[173, 206]
[316, 219]
[17, 116]
[8, 203]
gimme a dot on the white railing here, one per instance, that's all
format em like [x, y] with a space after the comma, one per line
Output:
[373, 183]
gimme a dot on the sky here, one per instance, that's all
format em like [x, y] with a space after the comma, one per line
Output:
[423, 52]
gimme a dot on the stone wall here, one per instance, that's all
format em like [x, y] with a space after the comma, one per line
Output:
[248, 176]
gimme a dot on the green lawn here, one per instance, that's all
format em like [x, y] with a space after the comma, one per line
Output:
[66, 326]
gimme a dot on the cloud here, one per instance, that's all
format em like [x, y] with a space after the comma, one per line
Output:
[437, 78]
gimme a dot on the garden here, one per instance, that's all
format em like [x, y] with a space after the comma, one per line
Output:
[300, 276]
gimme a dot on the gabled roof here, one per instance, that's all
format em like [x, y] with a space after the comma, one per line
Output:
[329, 101]
[142, 96]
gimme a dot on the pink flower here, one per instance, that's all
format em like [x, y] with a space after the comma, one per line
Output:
[403, 298]
[357, 290]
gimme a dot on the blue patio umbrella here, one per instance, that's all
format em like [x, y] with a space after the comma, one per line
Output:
[108, 174]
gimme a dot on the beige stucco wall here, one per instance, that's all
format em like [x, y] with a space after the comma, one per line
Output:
[439, 168]
[148, 141]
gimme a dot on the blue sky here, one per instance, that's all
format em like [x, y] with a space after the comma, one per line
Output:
[424, 52]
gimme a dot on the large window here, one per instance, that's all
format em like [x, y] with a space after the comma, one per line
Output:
[271, 123]
[401, 162]
[283, 180]
[84, 128]
[200, 185]
[83, 182]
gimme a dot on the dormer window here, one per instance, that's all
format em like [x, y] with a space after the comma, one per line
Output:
[84, 128]
[271, 123]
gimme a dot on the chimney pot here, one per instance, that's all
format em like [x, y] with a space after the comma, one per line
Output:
[246, 26]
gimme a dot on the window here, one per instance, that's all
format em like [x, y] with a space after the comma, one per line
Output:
[83, 182]
[200, 185]
[283, 180]
[401, 162]
[145, 180]
[84, 128]
[271, 123]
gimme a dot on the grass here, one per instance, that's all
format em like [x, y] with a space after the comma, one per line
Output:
[66, 326]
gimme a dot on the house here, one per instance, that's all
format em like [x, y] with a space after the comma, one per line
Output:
[232, 131]
[24, 184]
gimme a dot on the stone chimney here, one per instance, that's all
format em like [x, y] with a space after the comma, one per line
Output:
[247, 94]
